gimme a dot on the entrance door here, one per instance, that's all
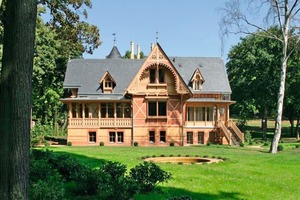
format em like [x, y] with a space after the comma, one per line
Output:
[200, 137]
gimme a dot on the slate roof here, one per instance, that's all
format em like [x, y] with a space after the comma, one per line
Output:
[114, 54]
[85, 74]
[212, 70]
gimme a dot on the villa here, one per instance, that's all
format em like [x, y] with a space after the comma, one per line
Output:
[156, 101]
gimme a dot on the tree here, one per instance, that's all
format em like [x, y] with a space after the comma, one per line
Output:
[284, 14]
[63, 37]
[15, 97]
[253, 74]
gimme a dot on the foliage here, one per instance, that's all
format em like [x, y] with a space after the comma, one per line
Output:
[69, 143]
[253, 73]
[147, 175]
[101, 144]
[108, 182]
[280, 147]
[248, 136]
[135, 144]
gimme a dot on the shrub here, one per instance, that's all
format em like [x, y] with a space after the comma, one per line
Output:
[209, 144]
[69, 144]
[187, 155]
[101, 144]
[147, 175]
[297, 146]
[162, 155]
[248, 136]
[178, 155]
[280, 148]
[113, 182]
[172, 144]
[171, 155]
[47, 189]
[251, 142]
[153, 156]
[242, 145]
[205, 156]
[135, 144]
[266, 144]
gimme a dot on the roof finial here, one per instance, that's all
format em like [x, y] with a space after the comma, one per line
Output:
[156, 36]
[115, 39]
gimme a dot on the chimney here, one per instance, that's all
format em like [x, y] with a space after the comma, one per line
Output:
[132, 50]
[138, 56]
[152, 46]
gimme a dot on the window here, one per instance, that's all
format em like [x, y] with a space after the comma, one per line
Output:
[112, 137]
[200, 137]
[157, 75]
[189, 137]
[123, 110]
[161, 75]
[103, 110]
[86, 110]
[120, 137]
[73, 110]
[108, 83]
[94, 110]
[190, 114]
[162, 136]
[157, 108]
[201, 113]
[152, 75]
[116, 137]
[92, 137]
[196, 85]
[152, 136]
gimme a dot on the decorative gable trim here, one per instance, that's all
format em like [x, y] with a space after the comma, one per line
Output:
[107, 83]
[156, 58]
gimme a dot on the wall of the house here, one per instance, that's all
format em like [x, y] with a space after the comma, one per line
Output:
[80, 137]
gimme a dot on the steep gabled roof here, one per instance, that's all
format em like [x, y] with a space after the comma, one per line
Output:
[84, 74]
[212, 70]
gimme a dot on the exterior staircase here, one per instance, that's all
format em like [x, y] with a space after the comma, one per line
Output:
[231, 132]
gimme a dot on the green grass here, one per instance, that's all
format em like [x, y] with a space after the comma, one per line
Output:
[250, 173]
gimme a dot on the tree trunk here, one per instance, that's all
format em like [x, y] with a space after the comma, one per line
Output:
[292, 132]
[277, 133]
[15, 98]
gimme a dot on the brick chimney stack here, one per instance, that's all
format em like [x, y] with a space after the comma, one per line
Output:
[138, 56]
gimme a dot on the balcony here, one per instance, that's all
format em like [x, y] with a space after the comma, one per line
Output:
[99, 122]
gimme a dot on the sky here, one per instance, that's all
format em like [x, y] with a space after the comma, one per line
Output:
[187, 28]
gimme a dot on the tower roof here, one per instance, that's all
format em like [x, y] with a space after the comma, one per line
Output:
[114, 54]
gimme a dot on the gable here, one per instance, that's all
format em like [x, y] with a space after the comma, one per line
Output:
[148, 79]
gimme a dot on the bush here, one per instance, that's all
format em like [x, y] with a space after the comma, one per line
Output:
[248, 136]
[47, 189]
[101, 144]
[172, 144]
[69, 144]
[209, 144]
[242, 145]
[113, 182]
[147, 175]
[266, 144]
[297, 146]
[135, 144]
[280, 148]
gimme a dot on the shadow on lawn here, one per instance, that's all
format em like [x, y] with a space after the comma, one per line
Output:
[90, 161]
[170, 192]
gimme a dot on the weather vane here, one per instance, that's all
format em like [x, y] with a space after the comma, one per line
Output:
[115, 39]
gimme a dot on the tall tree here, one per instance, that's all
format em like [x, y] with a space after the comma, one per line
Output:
[254, 74]
[284, 14]
[15, 97]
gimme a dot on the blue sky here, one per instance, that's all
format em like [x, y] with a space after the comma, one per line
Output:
[187, 28]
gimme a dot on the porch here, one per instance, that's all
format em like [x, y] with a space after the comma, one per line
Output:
[100, 122]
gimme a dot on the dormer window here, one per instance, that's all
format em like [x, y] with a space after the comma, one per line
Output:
[107, 83]
[197, 80]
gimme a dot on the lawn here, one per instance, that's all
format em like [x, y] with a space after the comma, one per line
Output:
[250, 172]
